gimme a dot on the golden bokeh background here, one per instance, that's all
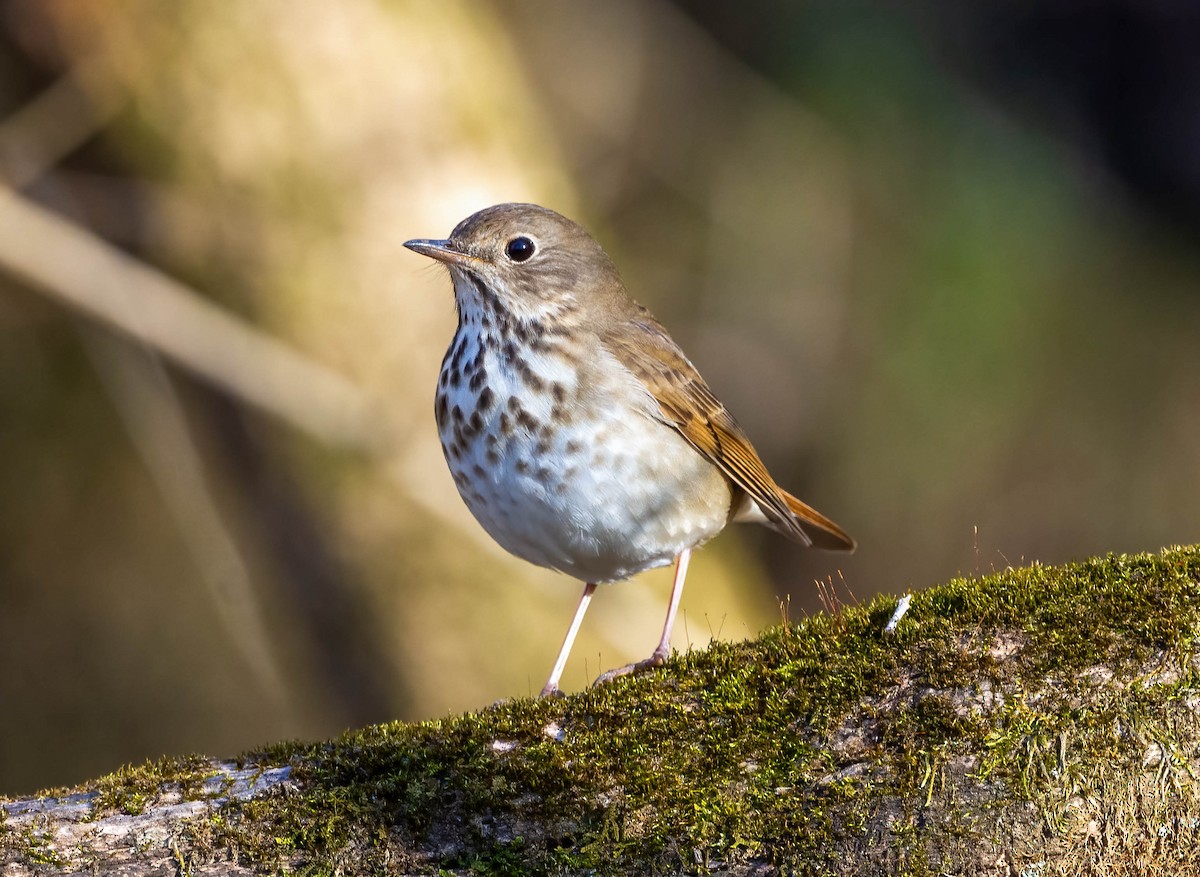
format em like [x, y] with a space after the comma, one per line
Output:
[950, 297]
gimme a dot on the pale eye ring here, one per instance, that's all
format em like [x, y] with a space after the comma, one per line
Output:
[520, 249]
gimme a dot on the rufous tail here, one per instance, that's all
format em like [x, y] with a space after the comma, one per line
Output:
[823, 532]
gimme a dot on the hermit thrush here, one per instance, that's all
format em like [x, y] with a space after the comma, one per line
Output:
[578, 433]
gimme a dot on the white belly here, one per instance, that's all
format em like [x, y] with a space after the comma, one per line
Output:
[586, 483]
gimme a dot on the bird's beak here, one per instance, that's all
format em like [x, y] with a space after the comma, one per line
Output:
[443, 251]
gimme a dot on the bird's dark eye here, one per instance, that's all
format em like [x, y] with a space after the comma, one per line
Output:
[519, 249]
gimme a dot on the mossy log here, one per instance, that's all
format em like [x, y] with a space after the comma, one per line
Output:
[1038, 721]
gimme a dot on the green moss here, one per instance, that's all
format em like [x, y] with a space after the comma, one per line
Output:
[731, 754]
[132, 788]
[33, 847]
[786, 750]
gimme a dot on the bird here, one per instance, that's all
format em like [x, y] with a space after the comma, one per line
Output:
[576, 430]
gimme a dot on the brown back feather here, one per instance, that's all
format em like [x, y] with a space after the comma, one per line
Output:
[686, 403]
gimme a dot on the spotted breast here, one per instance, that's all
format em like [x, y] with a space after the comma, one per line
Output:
[553, 461]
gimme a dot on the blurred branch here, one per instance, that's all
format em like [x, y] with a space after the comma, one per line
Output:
[149, 406]
[78, 269]
[36, 137]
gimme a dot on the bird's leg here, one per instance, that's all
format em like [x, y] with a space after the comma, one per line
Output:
[663, 651]
[659, 656]
[551, 687]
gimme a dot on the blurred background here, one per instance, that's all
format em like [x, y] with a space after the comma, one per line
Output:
[941, 261]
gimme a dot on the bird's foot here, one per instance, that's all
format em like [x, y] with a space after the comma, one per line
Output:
[655, 660]
[551, 690]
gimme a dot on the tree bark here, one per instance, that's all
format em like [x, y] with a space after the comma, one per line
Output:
[1037, 721]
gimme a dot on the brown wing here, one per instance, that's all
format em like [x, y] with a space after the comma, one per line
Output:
[686, 403]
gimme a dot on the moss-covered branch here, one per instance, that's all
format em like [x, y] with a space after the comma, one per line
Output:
[1040, 721]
